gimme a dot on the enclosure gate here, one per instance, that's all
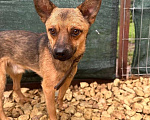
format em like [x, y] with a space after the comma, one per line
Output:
[140, 65]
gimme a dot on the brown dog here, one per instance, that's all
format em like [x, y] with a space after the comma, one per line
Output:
[51, 55]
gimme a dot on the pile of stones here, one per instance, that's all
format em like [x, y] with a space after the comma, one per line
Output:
[119, 100]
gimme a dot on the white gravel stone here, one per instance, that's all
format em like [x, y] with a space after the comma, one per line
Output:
[116, 82]
[84, 84]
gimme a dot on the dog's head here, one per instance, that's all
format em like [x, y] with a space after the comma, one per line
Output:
[67, 28]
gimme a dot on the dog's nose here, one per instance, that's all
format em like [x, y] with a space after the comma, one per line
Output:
[61, 53]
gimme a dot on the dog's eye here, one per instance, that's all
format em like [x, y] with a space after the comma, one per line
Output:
[75, 32]
[53, 31]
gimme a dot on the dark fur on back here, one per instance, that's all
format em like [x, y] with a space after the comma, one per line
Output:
[22, 44]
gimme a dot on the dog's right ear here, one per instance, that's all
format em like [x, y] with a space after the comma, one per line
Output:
[44, 8]
[89, 9]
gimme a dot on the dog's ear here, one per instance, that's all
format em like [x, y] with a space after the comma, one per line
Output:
[44, 8]
[89, 9]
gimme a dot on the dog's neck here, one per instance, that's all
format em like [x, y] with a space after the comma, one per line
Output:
[62, 66]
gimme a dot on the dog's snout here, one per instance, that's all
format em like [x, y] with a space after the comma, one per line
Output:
[62, 53]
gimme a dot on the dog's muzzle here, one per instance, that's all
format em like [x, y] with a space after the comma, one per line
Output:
[63, 53]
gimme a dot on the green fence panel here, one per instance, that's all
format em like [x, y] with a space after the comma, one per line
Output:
[141, 57]
[99, 60]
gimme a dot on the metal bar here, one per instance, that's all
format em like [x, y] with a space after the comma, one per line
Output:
[138, 8]
[135, 39]
[147, 55]
[124, 34]
[124, 75]
[141, 27]
[120, 38]
[139, 67]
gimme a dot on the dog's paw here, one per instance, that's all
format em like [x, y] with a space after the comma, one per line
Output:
[63, 106]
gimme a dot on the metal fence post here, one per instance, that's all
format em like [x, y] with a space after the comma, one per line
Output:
[123, 37]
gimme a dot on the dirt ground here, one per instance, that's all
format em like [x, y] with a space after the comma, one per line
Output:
[119, 100]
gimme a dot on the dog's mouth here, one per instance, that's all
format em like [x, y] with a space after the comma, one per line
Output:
[63, 53]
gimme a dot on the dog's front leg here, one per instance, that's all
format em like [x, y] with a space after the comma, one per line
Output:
[64, 87]
[49, 92]
[2, 87]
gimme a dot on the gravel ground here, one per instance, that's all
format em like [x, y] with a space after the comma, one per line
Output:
[120, 100]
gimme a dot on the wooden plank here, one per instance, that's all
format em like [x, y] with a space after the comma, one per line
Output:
[126, 37]
[123, 38]
[37, 85]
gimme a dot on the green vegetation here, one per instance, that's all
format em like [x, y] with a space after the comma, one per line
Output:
[131, 43]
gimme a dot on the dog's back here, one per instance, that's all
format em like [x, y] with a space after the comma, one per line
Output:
[20, 46]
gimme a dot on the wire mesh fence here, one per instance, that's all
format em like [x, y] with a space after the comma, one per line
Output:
[134, 43]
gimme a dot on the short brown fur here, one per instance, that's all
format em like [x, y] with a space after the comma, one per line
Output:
[49, 55]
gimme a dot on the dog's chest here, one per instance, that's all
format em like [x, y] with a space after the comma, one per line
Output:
[62, 66]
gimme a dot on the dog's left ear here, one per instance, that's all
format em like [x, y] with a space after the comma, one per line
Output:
[89, 9]
[44, 8]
